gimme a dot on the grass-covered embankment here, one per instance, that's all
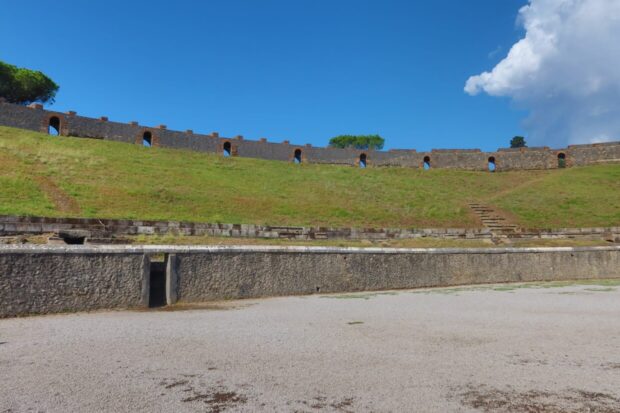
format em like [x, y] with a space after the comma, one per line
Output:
[60, 176]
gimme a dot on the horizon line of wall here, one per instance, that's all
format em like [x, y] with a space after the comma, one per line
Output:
[35, 117]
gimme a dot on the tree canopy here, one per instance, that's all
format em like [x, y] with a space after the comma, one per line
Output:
[357, 142]
[518, 142]
[25, 86]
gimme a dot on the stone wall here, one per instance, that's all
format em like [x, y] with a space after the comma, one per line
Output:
[225, 273]
[39, 280]
[56, 279]
[94, 228]
[36, 118]
[103, 230]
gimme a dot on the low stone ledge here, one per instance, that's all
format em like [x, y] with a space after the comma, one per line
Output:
[105, 228]
[202, 249]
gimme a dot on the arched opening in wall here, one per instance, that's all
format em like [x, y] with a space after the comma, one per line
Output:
[53, 127]
[227, 149]
[561, 160]
[297, 156]
[491, 164]
[363, 160]
[427, 163]
[147, 139]
[72, 238]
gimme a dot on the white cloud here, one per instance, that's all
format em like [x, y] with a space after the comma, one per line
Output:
[565, 71]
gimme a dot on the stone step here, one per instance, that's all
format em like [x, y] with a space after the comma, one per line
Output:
[491, 220]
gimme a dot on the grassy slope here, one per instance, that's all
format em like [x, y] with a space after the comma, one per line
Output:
[115, 180]
[575, 197]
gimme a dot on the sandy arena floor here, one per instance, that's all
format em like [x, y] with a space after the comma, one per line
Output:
[490, 349]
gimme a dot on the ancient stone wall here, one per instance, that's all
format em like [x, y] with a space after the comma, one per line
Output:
[56, 279]
[96, 230]
[270, 271]
[38, 280]
[36, 118]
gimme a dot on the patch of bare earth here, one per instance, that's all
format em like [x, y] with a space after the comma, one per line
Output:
[215, 399]
[487, 399]
[61, 200]
[321, 403]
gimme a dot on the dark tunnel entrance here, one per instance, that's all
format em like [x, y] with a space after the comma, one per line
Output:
[74, 240]
[227, 149]
[297, 156]
[53, 128]
[561, 160]
[157, 281]
[427, 163]
[363, 160]
[491, 164]
[147, 139]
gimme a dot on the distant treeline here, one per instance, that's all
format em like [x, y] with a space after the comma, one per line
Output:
[357, 142]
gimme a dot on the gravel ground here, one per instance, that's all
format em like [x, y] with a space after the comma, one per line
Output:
[483, 349]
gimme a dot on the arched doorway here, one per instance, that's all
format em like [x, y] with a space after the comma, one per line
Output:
[53, 127]
[427, 163]
[147, 139]
[491, 164]
[561, 160]
[363, 160]
[297, 156]
[227, 149]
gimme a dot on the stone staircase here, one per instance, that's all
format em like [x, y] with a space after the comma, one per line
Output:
[492, 220]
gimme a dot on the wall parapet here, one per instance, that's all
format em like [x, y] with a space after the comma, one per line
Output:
[279, 249]
[39, 119]
[293, 249]
[51, 279]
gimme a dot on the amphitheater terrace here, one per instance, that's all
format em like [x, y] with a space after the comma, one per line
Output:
[35, 118]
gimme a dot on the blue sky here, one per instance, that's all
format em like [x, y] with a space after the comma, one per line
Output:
[302, 70]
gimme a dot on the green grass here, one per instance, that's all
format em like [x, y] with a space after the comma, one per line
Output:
[587, 196]
[115, 180]
[22, 194]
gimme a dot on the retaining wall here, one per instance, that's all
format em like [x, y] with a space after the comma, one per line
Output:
[55, 279]
[38, 281]
[102, 230]
[252, 272]
[94, 228]
[36, 118]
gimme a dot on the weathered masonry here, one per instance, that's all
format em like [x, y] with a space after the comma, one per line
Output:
[34, 117]
[40, 279]
[98, 231]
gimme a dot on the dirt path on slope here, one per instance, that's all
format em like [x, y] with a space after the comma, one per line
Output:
[61, 200]
[489, 200]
